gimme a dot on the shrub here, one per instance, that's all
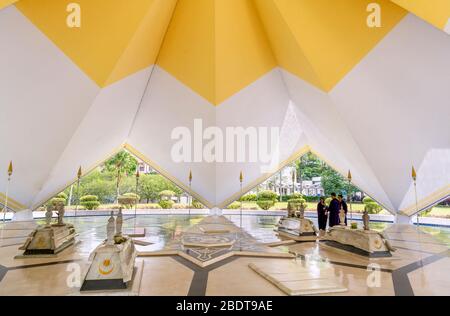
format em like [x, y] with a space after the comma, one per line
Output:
[426, 212]
[197, 205]
[150, 206]
[265, 204]
[57, 201]
[128, 200]
[267, 195]
[371, 206]
[296, 195]
[166, 195]
[311, 198]
[296, 203]
[178, 206]
[90, 202]
[234, 206]
[166, 204]
[266, 199]
[248, 198]
[62, 195]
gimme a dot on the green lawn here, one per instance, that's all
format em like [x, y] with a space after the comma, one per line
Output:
[356, 207]
[438, 211]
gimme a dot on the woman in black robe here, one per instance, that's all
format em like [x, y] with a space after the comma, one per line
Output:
[333, 210]
[322, 214]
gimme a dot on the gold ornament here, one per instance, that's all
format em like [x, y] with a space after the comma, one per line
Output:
[106, 267]
[10, 169]
[377, 243]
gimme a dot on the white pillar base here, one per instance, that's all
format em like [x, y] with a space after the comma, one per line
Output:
[403, 219]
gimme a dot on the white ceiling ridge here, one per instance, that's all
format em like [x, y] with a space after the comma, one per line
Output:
[364, 187]
[54, 165]
[147, 86]
[390, 207]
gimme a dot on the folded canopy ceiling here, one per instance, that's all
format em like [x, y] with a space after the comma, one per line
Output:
[373, 100]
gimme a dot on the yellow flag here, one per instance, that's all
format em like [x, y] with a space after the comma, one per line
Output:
[241, 177]
[414, 174]
[10, 168]
[79, 172]
[190, 175]
[349, 176]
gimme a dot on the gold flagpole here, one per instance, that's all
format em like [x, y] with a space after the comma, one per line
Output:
[10, 172]
[190, 190]
[136, 201]
[349, 178]
[241, 179]
[414, 177]
[79, 174]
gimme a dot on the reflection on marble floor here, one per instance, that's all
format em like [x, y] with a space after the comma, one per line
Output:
[213, 239]
[423, 267]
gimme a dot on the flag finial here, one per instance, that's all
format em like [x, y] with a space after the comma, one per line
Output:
[138, 174]
[79, 173]
[190, 175]
[241, 177]
[10, 168]
[349, 176]
[413, 173]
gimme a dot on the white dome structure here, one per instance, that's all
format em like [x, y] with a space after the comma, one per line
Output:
[373, 99]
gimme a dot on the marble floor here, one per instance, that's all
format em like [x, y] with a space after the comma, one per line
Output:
[421, 264]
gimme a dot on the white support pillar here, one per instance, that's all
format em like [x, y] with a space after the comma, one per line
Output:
[403, 219]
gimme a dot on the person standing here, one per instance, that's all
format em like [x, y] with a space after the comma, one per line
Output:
[333, 211]
[343, 205]
[322, 214]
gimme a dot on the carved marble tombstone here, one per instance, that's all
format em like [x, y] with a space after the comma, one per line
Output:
[302, 211]
[291, 211]
[342, 217]
[297, 228]
[110, 230]
[365, 242]
[48, 216]
[366, 219]
[112, 262]
[49, 239]
[119, 223]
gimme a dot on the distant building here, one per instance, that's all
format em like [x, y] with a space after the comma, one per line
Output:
[145, 169]
[289, 184]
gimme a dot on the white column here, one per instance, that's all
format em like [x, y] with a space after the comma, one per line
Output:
[403, 219]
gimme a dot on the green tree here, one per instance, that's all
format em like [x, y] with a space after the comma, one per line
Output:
[123, 163]
[151, 184]
[371, 206]
[309, 166]
[100, 184]
[332, 181]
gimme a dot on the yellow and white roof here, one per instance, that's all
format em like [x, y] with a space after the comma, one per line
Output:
[373, 100]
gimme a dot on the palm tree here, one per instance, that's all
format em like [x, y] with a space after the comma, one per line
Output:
[122, 163]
